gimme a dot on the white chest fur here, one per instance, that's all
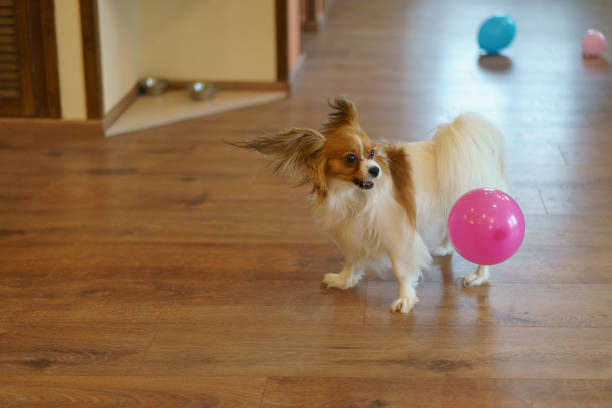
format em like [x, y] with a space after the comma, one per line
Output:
[364, 224]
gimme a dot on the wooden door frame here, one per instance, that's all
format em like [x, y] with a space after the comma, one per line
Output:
[45, 80]
[282, 43]
[92, 62]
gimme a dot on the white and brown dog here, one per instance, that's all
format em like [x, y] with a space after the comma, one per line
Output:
[386, 204]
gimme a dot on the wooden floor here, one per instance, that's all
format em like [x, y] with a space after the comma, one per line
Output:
[165, 268]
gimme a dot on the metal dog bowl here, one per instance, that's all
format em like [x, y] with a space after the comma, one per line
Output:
[201, 91]
[153, 86]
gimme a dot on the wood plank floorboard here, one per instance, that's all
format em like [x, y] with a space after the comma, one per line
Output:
[477, 351]
[73, 349]
[300, 392]
[130, 391]
[497, 305]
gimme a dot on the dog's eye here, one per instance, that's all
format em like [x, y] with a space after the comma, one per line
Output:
[372, 153]
[350, 158]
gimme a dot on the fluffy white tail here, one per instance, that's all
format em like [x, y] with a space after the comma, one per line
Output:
[470, 153]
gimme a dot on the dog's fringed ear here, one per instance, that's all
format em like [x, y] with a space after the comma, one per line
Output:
[344, 113]
[294, 152]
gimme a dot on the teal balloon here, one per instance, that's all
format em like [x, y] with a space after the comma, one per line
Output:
[496, 33]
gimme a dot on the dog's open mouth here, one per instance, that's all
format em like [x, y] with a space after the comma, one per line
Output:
[364, 184]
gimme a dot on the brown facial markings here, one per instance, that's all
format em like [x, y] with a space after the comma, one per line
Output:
[340, 144]
[344, 137]
[314, 156]
[380, 158]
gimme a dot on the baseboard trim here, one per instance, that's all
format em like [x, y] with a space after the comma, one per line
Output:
[175, 106]
[233, 85]
[176, 84]
[120, 107]
[27, 131]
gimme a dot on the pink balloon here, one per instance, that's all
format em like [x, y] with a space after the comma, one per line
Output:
[593, 43]
[486, 226]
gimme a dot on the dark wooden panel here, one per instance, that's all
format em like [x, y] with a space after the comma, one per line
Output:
[282, 41]
[8, 84]
[92, 65]
[7, 20]
[9, 93]
[44, 55]
[8, 67]
[15, 47]
[7, 38]
[8, 48]
[9, 76]
[8, 56]
[8, 30]
[28, 60]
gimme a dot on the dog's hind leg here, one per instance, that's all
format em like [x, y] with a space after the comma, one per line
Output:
[478, 277]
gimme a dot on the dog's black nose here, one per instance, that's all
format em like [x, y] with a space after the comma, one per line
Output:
[374, 171]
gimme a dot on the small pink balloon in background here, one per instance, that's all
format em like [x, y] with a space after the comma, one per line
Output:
[593, 43]
[486, 226]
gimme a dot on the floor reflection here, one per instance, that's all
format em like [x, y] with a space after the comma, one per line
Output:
[595, 64]
[495, 63]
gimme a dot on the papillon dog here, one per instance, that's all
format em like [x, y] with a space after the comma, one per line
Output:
[386, 204]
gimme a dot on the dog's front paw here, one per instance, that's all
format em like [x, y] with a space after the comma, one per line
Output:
[336, 280]
[404, 305]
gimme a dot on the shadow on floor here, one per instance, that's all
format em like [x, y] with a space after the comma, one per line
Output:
[495, 63]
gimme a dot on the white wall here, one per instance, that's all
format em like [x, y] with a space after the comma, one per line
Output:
[70, 59]
[225, 40]
[232, 40]
[120, 45]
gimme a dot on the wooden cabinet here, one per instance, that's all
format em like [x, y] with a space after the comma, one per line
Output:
[28, 59]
